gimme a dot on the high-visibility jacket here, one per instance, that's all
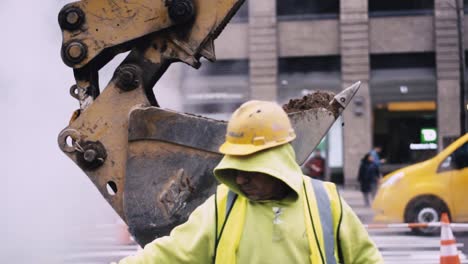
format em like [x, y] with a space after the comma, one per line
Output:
[322, 199]
[259, 232]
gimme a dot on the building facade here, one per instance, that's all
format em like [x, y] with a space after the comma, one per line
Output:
[405, 53]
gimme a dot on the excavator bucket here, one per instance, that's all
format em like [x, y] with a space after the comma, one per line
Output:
[171, 157]
[313, 124]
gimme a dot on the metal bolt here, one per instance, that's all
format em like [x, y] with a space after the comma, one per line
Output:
[74, 52]
[90, 155]
[181, 11]
[71, 18]
[127, 77]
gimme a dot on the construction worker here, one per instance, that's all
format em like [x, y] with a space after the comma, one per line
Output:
[265, 210]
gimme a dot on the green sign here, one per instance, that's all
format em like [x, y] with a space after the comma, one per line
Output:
[428, 135]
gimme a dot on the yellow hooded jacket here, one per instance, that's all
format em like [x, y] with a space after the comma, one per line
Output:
[261, 231]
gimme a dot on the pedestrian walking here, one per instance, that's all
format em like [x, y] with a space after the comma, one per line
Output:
[368, 178]
[265, 210]
[375, 153]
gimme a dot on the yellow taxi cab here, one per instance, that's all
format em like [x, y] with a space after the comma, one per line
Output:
[423, 191]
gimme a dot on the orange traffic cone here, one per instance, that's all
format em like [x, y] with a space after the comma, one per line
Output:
[448, 248]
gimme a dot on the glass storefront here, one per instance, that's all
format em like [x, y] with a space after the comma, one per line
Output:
[404, 95]
[399, 134]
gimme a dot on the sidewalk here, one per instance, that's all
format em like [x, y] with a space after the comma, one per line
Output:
[355, 199]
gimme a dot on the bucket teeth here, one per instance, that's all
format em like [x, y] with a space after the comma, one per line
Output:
[344, 97]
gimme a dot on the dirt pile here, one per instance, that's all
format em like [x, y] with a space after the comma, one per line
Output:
[318, 99]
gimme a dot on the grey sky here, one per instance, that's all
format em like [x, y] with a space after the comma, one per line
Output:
[46, 196]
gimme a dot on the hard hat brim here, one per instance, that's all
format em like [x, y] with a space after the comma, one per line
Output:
[229, 148]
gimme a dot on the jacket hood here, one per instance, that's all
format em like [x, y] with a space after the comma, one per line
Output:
[278, 162]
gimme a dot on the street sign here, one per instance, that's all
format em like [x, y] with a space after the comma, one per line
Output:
[428, 135]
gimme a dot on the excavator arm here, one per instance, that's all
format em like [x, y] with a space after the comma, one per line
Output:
[153, 165]
[157, 33]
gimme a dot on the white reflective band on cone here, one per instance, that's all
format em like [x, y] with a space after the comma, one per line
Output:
[446, 251]
[446, 232]
[449, 250]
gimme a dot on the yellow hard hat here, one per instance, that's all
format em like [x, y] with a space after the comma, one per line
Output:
[255, 126]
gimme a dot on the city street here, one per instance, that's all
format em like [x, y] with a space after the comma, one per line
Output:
[122, 108]
[397, 245]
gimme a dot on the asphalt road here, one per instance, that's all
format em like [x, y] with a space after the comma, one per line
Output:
[402, 236]
[399, 246]
[462, 237]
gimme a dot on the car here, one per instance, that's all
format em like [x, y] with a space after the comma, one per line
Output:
[421, 192]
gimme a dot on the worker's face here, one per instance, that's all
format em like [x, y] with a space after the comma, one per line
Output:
[259, 186]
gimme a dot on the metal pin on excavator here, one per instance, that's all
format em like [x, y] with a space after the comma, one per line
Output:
[154, 166]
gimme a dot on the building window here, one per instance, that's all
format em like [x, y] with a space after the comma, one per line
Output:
[403, 90]
[216, 89]
[309, 64]
[403, 60]
[302, 75]
[307, 9]
[400, 7]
